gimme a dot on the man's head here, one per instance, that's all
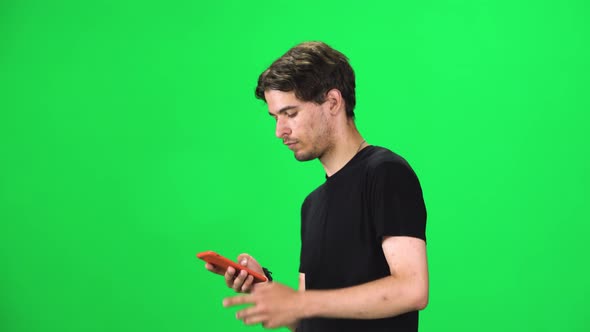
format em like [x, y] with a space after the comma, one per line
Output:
[310, 70]
[310, 93]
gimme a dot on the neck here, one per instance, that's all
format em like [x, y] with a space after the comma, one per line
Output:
[345, 146]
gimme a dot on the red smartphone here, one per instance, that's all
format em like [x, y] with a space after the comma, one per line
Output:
[222, 262]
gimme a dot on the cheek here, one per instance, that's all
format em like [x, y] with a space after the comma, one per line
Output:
[308, 129]
[297, 126]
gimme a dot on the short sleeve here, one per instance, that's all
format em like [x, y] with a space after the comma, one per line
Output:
[397, 202]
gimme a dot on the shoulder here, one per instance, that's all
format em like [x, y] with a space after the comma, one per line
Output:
[314, 195]
[381, 160]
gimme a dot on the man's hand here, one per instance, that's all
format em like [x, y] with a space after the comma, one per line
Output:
[242, 282]
[274, 305]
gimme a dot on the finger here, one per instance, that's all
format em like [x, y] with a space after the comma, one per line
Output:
[252, 315]
[255, 320]
[271, 325]
[247, 286]
[229, 276]
[237, 300]
[248, 312]
[239, 280]
[214, 268]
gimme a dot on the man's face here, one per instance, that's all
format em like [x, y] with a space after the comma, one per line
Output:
[303, 126]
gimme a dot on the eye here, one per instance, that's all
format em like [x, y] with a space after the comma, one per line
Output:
[292, 115]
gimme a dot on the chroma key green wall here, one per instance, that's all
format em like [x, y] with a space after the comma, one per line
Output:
[130, 139]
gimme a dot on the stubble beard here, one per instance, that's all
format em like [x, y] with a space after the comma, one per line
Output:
[318, 146]
[305, 156]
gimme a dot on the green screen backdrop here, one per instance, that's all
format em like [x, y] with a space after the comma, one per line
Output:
[130, 139]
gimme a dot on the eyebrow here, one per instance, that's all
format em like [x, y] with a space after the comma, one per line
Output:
[284, 109]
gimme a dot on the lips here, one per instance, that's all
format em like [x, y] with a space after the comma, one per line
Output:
[290, 144]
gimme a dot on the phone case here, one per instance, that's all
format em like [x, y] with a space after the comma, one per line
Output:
[222, 262]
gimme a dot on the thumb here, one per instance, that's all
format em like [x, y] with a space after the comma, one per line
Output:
[243, 259]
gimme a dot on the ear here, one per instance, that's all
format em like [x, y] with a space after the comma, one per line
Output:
[334, 101]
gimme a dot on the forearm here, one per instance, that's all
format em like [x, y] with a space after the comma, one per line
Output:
[381, 298]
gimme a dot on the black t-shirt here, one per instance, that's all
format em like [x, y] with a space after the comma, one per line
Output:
[343, 223]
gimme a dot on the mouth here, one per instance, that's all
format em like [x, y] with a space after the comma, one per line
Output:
[290, 144]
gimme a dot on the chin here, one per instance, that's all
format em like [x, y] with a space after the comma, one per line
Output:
[304, 156]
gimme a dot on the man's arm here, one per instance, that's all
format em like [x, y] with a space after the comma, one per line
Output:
[405, 290]
[293, 327]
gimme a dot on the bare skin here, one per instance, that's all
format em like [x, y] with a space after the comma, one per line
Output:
[315, 131]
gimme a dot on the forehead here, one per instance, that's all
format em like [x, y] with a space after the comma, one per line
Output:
[277, 100]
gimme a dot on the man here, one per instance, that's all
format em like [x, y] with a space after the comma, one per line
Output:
[363, 263]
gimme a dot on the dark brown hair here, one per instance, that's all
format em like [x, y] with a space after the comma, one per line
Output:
[310, 69]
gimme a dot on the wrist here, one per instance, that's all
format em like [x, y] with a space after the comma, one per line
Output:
[267, 274]
[306, 309]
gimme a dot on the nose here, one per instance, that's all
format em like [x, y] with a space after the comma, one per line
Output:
[282, 129]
